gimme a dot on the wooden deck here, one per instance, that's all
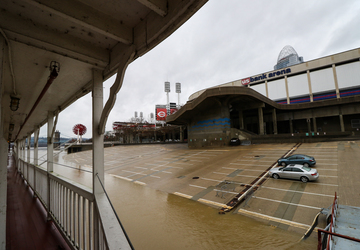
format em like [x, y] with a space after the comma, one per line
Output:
[26, 223]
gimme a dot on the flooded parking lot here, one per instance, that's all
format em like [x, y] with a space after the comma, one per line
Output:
[168, 196]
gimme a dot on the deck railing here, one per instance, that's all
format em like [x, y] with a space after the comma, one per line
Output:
[331, 231]
[86, 221]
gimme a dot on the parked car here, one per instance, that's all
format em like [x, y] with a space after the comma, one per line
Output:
[296, 172]
[297, 159]
[234, 141]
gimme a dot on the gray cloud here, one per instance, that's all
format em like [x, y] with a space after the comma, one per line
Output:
[225, 41]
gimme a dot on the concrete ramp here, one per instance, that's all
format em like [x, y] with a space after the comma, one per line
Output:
[347, 223]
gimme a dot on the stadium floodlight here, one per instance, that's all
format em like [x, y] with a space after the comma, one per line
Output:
[167, 87]
[178, 87]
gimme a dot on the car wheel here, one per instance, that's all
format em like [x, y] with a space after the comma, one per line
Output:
[306, 165]
[283, 164]
[304, 179]
[275, 176]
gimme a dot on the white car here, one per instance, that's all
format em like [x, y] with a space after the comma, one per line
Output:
[296, 172]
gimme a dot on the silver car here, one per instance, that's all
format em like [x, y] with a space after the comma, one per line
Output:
[294, 171]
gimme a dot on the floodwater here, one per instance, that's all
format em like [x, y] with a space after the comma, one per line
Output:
[157, 220]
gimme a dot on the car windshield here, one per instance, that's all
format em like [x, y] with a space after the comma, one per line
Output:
[306, 168]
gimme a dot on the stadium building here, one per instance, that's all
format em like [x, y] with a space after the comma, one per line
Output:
[307, 101]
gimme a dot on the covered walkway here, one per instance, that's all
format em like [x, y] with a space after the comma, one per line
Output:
[27, 226]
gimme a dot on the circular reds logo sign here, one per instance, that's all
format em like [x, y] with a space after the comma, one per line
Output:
[162, 114]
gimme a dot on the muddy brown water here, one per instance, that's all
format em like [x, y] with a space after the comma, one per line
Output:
[157, 220]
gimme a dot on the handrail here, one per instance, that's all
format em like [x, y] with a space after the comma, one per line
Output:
[85, 220]
[117, 217]
[338, 235]
[330, 232]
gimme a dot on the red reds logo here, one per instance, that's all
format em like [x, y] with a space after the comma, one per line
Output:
[245, 81]
[161, 114]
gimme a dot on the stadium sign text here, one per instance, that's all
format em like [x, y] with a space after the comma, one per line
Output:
[264, 76]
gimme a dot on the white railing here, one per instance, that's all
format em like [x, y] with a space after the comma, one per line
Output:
[332, 223]
[86, 221]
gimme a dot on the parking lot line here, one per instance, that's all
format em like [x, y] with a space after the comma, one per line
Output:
[294, 191]
[287, 203]
[272, 218]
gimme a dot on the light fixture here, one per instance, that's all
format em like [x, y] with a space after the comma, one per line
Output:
[14, 103]
[11, 127]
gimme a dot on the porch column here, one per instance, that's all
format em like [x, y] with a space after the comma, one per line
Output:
[36, 146]
[3, 155]
[36, 153]
[23, 149]
[50, 145]
[261, 121]
[50, 157]
[28, 155]
[28, 147]
[98, 139]
[274, 121]
[3, 189]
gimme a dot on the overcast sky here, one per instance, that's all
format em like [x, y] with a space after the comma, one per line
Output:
[224, 41]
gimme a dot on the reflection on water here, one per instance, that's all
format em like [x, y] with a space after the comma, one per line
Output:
[158, 220]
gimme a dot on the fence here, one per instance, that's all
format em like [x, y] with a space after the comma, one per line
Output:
[84, 219]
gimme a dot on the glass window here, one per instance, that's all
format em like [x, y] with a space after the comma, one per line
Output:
[297, 170]
[306, 168]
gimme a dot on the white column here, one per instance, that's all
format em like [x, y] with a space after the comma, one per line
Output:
[336, 81]
[310, 87]
[23, 149]
[28, 148]
[50, 157]
[28, 156]
[3, 155]
[3, 190]
[36, 154]
[98, 139]
[50, 145]
[36, 146]
[287, 90]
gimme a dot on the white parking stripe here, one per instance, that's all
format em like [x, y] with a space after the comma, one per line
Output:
[251, 176]
[197, 186]
[283, 221]
[183, 195]
[181, 163]
[292, 204]
[220, 173]
[294, 191]
[244, 164]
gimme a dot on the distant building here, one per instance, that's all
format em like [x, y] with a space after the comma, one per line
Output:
[288, 57]
[307, 102]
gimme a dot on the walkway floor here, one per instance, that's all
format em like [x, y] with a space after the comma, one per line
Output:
[26, 224]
